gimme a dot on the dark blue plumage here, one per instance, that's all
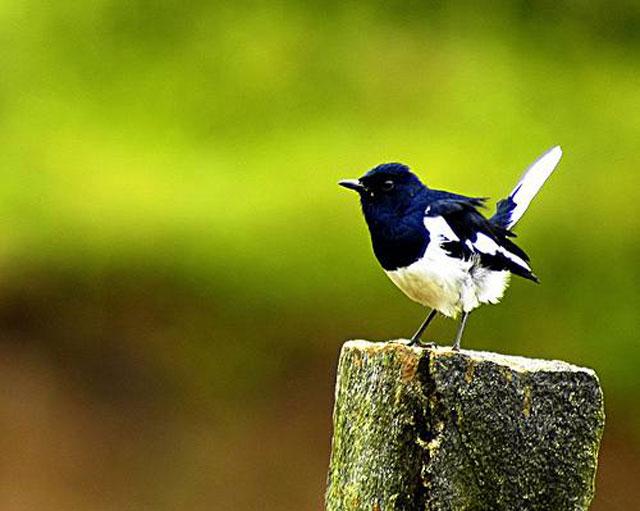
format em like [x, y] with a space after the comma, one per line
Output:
[396, 221]
[395, 217]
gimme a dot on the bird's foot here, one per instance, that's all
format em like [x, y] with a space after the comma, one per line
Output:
[418, 342]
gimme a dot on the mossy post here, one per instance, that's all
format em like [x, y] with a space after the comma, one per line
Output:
[433, 429]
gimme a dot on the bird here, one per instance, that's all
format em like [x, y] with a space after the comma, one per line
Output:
[438, 247]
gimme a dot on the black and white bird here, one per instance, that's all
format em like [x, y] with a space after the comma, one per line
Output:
[437, 247]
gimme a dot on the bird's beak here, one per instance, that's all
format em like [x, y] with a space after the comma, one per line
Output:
[352, 184]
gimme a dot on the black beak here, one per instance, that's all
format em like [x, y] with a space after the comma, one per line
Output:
[352, 184]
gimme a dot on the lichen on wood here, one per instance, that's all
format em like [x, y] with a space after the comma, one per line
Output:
[433, 429]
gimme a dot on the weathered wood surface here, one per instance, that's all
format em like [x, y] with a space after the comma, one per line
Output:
[433, 429]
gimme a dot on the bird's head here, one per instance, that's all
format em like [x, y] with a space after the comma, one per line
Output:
[390, 186]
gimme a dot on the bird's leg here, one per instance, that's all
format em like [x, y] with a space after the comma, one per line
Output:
[456, 344]
[416, 337]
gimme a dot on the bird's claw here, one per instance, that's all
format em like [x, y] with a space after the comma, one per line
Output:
[419, 343]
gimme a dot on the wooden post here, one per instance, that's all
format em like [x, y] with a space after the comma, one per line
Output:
[433, 429]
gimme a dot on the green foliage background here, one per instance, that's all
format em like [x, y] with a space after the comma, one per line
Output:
[170, 224]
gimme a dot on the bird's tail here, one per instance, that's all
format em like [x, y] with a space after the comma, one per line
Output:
[511, 209]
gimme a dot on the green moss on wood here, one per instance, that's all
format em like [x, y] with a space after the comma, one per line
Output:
[432, 429]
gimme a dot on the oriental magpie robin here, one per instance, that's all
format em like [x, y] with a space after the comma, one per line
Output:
[437, 247]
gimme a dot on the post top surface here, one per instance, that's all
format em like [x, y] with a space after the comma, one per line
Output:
[513, 362]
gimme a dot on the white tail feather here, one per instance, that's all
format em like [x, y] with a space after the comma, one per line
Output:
[531, 181]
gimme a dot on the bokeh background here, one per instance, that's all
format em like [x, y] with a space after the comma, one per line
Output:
[178, 268]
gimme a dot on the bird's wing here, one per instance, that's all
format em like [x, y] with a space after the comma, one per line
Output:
[464, 233]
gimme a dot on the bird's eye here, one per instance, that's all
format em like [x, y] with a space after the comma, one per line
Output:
[387, 186]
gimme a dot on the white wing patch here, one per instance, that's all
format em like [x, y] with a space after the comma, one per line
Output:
[531, 181]
[439, 228]
[441, 231]
[486, 245]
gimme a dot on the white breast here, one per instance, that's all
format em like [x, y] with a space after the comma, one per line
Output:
[448, 284]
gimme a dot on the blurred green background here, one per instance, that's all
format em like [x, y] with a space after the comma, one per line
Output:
[178, 267]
